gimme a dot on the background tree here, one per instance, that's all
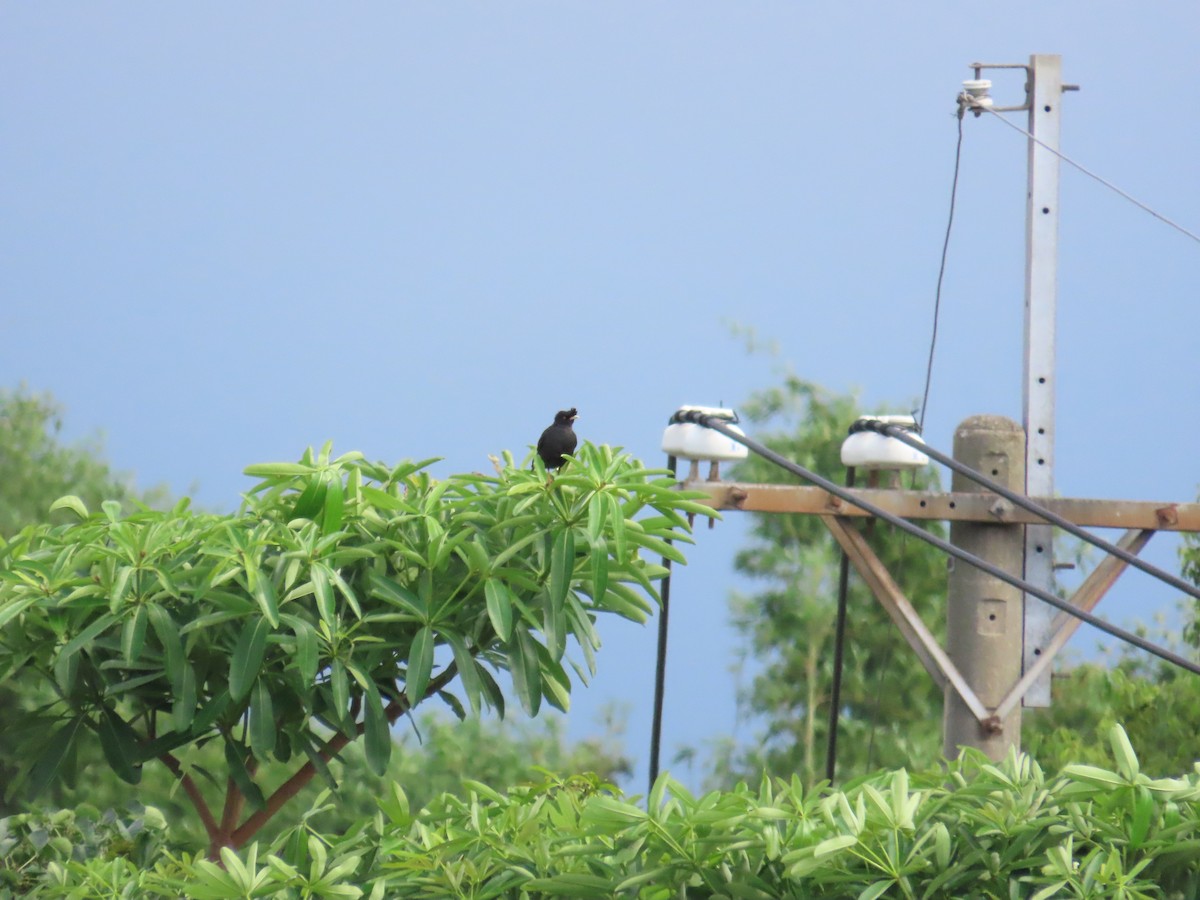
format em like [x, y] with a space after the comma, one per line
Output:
[340, 597]
[1157, 703]
[891, 708]
[36, 467]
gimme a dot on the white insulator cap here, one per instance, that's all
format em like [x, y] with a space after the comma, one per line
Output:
[979, 90]
[688, 440]
[871, 450]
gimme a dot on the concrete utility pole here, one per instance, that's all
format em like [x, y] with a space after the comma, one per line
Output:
[983, 614]
[1041, 293]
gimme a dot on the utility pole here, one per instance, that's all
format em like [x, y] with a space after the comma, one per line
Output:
[1044, 92]
[1001, 641]
[983, 614]
[1043, 95]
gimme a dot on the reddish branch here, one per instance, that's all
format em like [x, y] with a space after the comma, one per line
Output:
[332, 747]
[190, 788]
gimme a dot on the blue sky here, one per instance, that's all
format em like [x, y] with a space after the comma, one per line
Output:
[231, 231]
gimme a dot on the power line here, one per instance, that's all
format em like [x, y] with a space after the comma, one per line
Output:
[1089, 173]
[839, 643]
[937, 297]
[945, 546]
[1036, 508]
[660, 664]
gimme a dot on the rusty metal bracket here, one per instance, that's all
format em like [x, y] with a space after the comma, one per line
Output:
[872, 570]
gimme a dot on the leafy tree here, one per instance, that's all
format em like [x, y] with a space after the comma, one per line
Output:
[438, 754]
[36, 468]
[342, 595]
[890, 706]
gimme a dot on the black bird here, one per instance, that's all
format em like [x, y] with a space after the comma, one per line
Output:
[558, 439]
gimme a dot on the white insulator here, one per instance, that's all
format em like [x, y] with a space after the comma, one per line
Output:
[687, 440]
[979, 90]
[872, 450]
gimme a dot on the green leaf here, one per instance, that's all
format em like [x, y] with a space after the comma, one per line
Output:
[662, 548]
[71, 502]
[272, 470]
[235, 760]
[345, 590]
[14, 608]
[311, 499]
[526, 672]
[340, 684]
[1143, 812]
[577, 884]
[599, 569]
[1127, 761]
[312, 750]
[616, 520]
[397, 595]
[499, 606]
[467, 669]
[597, 509]
[133, 635]
[86, 636]
[323, 591]
[307, 657]
[247, 658]
[876, 890]
[1094, 775]
[262, 720]
[183, 710]
[119, 743]
[554, 627]
[168, 637]
[562, 566]
[376, 732]
[50, 760]
[210, 711]
[335, 506]
[420, 666]
[268, 601]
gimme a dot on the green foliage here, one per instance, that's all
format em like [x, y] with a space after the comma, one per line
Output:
[977, 829]
[42, 849]
[891, 708]
[1158, 704]
[341, 596]
[434, 756]
[1189, 558]
[36, 469]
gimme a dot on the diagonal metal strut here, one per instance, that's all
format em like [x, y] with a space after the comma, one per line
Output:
[872, 570]
[1086, 596]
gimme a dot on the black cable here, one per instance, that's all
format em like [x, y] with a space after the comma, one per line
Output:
[839, 641]
[945, 546]
[660, 666]
[937, 297]
[1037, 509]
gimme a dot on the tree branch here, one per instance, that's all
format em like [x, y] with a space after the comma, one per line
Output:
[332, 747]
[193, 791]
[233, 807]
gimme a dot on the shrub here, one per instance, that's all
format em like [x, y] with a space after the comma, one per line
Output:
[975, 830]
